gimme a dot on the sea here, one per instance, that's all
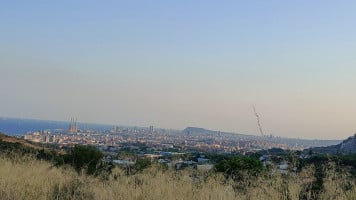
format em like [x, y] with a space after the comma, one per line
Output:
[14, 126]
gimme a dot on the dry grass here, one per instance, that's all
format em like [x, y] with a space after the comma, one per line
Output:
[23, 142]
[338, 185]
[27, 178]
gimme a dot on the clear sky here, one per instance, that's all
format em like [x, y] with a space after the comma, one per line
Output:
[174, 64]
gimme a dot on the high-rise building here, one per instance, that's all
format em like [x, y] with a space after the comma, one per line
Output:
[53, 138]
[47, 137]
[151, 129]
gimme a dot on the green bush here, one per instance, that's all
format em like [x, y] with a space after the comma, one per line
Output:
[142, 164]
[238, 167]
[87, 158]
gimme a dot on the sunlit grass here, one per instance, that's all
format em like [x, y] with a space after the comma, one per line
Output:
[28, 178]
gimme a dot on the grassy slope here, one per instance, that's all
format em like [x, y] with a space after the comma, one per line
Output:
[10, 139]
[25, 177]
[28, 178]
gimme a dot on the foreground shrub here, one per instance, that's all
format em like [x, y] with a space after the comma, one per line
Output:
[85, 158]
[238, 167]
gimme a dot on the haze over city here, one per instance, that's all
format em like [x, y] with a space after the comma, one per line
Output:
[179, 64]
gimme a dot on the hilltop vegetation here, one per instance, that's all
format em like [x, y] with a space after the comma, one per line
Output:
[347, 146]
[82, 173]
[8, 142]
[28, 178]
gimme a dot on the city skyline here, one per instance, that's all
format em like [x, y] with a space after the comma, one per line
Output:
[180, 64]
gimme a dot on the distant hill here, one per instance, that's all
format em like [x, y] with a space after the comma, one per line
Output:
[197, 130]
[347, 146]
[5, 140]
[307, 143]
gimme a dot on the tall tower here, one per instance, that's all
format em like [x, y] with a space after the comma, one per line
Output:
[73, 127]
[151, 129]
[47, 137]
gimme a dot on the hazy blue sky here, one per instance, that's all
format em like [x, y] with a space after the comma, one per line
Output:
[174, 64]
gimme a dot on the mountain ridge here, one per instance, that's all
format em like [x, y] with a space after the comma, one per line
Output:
[197, 130]
[347, 146]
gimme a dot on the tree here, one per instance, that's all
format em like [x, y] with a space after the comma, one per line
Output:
[142, 164]
[238, 167]
[82, 157]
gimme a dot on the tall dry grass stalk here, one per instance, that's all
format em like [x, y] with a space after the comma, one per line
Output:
[338, 184]
[28, 178]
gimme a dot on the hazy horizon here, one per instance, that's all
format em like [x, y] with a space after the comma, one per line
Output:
[179, 64]
[83, 125]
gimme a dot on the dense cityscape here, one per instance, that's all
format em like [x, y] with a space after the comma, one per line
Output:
[158, 139]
